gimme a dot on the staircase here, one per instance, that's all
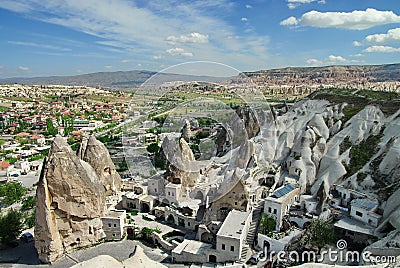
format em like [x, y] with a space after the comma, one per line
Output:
[257, 210]
[245, 253]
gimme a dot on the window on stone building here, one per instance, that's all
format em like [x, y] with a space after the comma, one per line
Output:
[223, 246]
[359, 214]
[232, 248]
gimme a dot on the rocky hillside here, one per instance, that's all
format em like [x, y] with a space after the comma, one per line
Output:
[120, 79]
[329, 74]
[286, 76]
[326, 141]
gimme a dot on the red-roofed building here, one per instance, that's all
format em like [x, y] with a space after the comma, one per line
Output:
[23, 135]
[38, 139]
[4, 165]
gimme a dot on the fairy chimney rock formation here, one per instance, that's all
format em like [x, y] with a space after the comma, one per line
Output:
[96, 154]
[70, 200]
[181, 163]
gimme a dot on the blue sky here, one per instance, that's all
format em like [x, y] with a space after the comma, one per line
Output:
[52, 37]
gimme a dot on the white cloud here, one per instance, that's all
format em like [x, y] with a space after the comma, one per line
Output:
[126, 61]
[302, 1]
[15, 6]
[357, 44]
[190, 38]
[336, 59]
[392, 36]
[139, 65]
[331, 59]
[289, 21]
[358, 55]
[244, 19]
[355, 20]
[140, 32]
[157, 57]
[32, 44]
[249, 6]
[179, 52]
[292, 4]
[314, 62]
[23, 68]
[381, 49]
[108, 67]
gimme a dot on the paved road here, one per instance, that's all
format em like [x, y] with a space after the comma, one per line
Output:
[125, 122]
[29, 179]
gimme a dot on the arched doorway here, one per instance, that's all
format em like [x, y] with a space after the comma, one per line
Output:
[170, 219]
[199, 195]
[130, 233]
[145, 208]
[266, 246]
[212, 258]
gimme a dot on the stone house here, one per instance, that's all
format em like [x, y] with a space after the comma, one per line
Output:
[279, 202]
[229, 246]
[113, 224]
[231, 237]
[364, 210]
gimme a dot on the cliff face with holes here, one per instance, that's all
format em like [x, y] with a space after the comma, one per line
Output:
[70, 200]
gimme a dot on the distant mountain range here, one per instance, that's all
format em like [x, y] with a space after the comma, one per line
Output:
[327, 74]
[126, 79]
[120, 79]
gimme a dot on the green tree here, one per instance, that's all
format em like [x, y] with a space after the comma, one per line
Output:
[12, 192]
[30, 219]
[153, 148]
[10, 226]
[51, 130]
[68, 123]
[320, 233]
[29, 202]
[22, 141]
[267, 224]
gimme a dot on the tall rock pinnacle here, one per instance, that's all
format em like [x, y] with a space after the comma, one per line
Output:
[70, 199]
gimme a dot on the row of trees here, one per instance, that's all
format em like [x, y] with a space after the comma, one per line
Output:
[67, 122]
